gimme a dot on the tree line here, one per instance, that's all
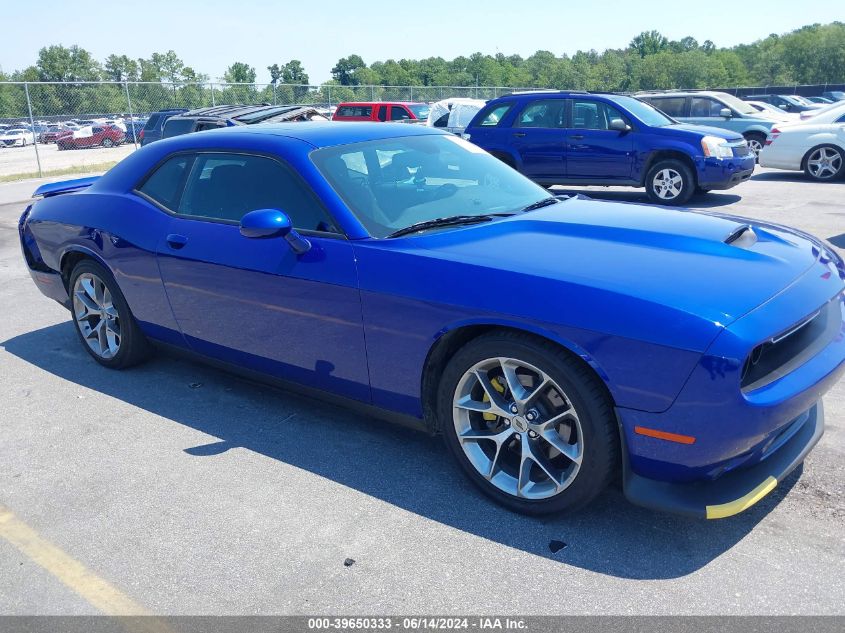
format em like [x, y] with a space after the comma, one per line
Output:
[813, 54]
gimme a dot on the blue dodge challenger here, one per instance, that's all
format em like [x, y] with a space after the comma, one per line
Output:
[553, 343]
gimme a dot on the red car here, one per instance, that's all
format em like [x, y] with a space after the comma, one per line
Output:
[381, 111]
[101, 136]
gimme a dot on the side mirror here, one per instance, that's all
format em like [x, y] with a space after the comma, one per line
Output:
[264, 223]
[726, 112]
[619, 125]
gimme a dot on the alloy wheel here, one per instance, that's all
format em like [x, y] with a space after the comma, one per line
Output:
[668, 184]
[96, 316]
[518, 428]
[755, 146]
[824, 163]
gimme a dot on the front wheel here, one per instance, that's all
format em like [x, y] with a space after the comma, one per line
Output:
[669, 182]
[528, 423]
[824, 163]
[107, 142]
[103, 321]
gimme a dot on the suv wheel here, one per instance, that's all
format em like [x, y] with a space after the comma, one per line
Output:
[669, 182]
[755, 143]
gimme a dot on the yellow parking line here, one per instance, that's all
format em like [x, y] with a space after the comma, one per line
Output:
[96, 591]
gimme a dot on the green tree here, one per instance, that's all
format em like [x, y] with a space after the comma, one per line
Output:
[346, 69]
[649, 43]
[239, 73]
[121, 68]
[59, 63]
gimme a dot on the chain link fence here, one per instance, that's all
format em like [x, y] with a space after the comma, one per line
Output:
[29, 109]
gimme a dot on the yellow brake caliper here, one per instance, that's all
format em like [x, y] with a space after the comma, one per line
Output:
[498, 386]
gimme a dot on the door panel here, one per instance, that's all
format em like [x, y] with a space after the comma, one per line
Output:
[539, 136]
[593, 150]
[254, 303]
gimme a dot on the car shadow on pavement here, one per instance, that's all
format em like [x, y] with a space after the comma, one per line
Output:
[710, 200]
[400, 466]
[791, 176]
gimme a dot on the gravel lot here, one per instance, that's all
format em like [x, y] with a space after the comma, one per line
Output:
[195, 492]
[21, 160]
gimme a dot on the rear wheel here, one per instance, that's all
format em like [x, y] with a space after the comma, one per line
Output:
[105, 325]
[824, 163]
[669, 182]
[528, 423]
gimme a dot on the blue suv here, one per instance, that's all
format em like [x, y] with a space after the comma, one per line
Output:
[575, 138]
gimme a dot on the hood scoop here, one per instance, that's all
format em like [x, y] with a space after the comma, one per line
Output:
[742, 237]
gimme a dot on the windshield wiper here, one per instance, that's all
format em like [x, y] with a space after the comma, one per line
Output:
[541, 203]
[452, 220]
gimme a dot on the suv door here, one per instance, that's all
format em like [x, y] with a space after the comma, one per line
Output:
[594, 151]
[538, 135]
[707, 111]
[254, 302]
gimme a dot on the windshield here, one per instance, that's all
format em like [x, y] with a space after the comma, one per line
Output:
[392, 183]
[645, 112]
[737, 104]
[420, 110]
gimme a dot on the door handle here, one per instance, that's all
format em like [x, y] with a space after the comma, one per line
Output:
[577, 137]
[176, 241]
[519, 134]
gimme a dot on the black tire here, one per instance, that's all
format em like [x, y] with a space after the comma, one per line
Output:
[584, 391]
[107, 142]
[756, 142]
[836, 156]
[672, 166]
[133, 347]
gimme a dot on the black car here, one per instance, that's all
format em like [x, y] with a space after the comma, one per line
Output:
[152, 128]
[230, 115]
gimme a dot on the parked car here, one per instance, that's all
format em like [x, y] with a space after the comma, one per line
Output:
[572, 138]
[687, 351]
[773, 112]
[816, 146]
[133, 131]
[819, 100]
[714, 109]
[230, 115]
[453, 115]
[834, 95]
[789, 103]
[15, 137]
[153, 126]
[94, 136]
[381, 111]
[52, 133]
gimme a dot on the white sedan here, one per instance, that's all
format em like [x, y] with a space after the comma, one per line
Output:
[816, 145]
[17, 137]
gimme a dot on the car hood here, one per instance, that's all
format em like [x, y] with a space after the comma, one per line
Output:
[704, 130]
[677, 259]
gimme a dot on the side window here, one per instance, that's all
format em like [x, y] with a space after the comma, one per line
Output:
[398, 113]
[673, 106]
[841, 119]
[705, 107]
[593, 115]
[547, 113]
[494, 116]
[165, 183]
[228, 186]
[382, 113]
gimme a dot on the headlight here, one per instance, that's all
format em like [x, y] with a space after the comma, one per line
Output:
[716, 147]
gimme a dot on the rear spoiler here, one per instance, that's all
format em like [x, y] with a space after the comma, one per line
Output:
[64, 186]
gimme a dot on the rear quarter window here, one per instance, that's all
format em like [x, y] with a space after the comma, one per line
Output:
[356, 111]
[152, 122]
[164, 185]
[175, 127]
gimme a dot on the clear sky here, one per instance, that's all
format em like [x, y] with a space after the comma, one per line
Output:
[211, 34]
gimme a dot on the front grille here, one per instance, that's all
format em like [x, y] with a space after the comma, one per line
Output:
[791, 348]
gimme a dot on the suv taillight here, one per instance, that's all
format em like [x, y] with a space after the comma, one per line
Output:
[141, 135]
[773, 134]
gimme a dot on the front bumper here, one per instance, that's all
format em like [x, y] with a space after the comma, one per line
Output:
[723, 174]
[737, 490]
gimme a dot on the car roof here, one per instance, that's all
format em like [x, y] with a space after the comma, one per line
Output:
[545, 94]
[367, 103]
[320, 133]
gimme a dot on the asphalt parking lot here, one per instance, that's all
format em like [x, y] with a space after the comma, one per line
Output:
[190, 491]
